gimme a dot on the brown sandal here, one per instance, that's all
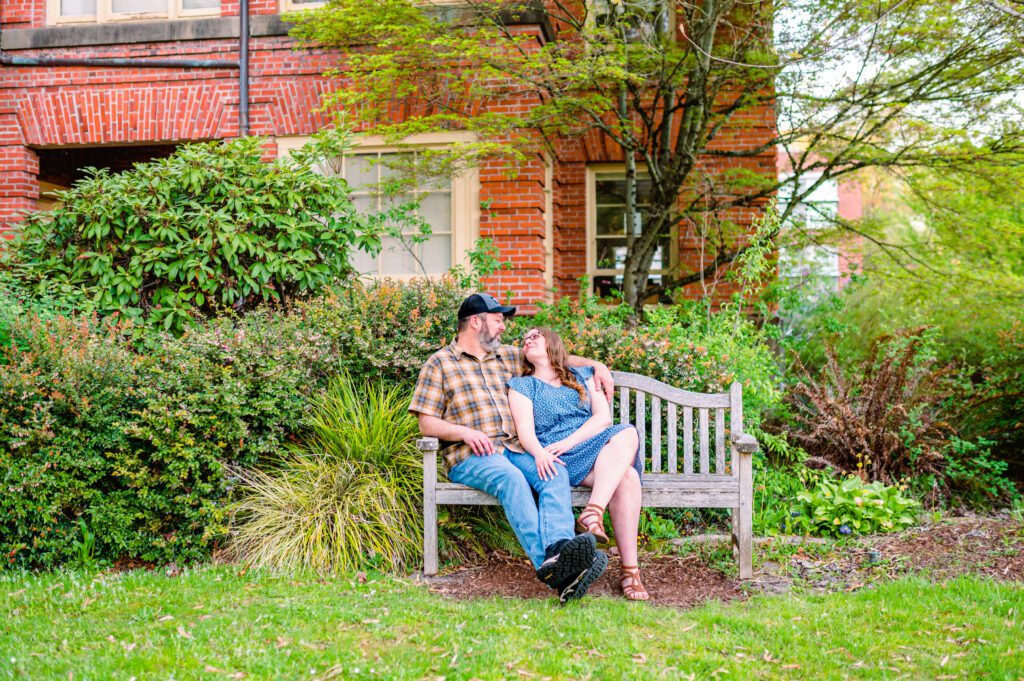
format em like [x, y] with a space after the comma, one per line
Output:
[592, 520]
[632, 588]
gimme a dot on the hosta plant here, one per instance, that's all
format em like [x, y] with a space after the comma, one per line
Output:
[846, 507]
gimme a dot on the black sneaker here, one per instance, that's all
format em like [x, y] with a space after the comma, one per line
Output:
[568, 560]
[546, 571]
[578, 587]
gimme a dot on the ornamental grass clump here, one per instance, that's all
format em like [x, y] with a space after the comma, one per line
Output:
[347, 497]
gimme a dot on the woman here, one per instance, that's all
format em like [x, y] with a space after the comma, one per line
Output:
[563, 421]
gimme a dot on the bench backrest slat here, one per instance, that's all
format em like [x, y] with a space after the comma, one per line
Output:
[673, 437]
[720, 441]
[688, 440]
[655, 435]
[705, 439]
[641, 425]
[704, 463]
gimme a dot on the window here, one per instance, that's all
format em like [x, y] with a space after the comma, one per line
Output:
[819, 209]
[62, 11]
[401, 257]
[642, 20]
[606, 193]
[450, 207]
[294, 5]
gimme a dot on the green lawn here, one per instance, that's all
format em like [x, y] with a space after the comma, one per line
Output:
[215, 623]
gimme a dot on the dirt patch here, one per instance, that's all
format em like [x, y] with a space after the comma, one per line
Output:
[958, 546]
[679, 581]
[991, 546]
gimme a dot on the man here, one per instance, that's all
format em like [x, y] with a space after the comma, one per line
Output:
[461, 399]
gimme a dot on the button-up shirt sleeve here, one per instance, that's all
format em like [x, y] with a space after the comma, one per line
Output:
[428, 397]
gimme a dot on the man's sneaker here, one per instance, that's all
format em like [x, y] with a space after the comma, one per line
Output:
[568, 560]
[578, 587]
[546, 571]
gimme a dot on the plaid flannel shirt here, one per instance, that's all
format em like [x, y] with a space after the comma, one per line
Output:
[459, 388]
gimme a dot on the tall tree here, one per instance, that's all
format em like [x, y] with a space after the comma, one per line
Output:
[896, 84]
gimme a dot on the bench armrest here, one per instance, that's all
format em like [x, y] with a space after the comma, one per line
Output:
[745, 444]
[427, 444]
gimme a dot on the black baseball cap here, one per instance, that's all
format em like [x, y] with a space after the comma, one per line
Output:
[479, 303]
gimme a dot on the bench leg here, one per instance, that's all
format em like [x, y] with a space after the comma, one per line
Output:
[430, 513]
[430, 540]
[743, 517]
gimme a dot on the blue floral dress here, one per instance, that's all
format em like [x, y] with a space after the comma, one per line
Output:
[557, 414]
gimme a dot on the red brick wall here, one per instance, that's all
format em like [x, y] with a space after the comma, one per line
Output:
[52, 107]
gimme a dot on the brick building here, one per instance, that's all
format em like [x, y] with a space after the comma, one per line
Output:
[178, 76]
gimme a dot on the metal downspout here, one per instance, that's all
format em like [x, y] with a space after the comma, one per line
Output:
[243, 68]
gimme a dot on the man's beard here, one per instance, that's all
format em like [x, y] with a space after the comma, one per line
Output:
[489, 342]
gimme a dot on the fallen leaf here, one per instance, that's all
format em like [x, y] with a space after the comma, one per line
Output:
[204, 617]
[281, 642]
[182, 632]
[213, 670]
[790, 666]
[164, 618]
[640, 658]
[18, 593]
[371, 621]
[944, 661]
[361, 577]
[685, 629]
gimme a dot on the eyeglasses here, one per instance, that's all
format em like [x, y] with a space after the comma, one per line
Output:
[530, 337]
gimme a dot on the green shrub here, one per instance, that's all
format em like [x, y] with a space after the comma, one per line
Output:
[841, 508]
[85, 450]
[973, 475]
[347, 497]
[210, 227]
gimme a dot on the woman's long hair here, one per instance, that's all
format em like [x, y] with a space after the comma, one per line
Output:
[559, 359]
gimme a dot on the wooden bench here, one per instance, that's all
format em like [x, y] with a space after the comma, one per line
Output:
[707, 478]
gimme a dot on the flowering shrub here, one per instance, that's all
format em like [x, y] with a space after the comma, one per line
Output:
[86, 450]
[675, 345]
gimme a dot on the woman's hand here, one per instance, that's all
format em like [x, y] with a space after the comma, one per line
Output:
[559, 448]
[546, 467]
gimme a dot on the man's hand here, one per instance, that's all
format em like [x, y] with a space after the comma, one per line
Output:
[603, 380]
[478, 442]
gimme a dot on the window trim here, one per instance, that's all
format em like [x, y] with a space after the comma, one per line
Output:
[465, 189]
[105, 15]
[673, 22]
[593, 170]
[291, 6]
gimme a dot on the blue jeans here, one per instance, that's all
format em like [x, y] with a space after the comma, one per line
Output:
[512, 478]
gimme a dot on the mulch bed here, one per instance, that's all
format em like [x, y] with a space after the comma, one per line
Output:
[679, 581]
[990, 546]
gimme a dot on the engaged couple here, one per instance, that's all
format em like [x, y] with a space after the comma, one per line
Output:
[526, 424]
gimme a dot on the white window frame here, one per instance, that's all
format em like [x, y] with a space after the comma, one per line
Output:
[105, 14]
[465, 190]
[593, 272]
[293, 6]
[597, 8]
